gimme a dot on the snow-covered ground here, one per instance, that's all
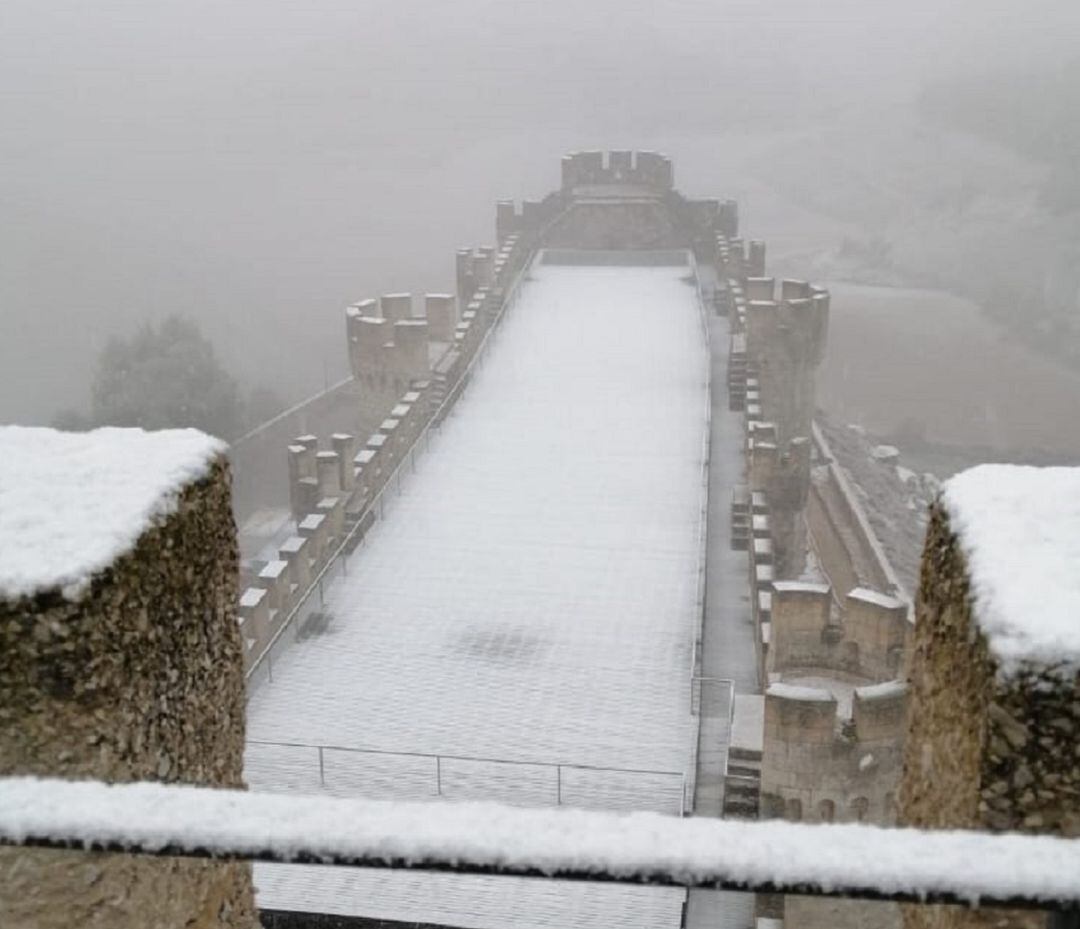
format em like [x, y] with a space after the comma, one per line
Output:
[530, 597]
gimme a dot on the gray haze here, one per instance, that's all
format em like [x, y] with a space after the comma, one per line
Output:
[259, 165]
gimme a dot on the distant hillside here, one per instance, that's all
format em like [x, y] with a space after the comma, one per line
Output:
[1033, 113]
[947, 195]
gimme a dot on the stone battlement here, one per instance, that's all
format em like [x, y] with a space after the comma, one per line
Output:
[649, 170]
[832, 753]
[865, 636]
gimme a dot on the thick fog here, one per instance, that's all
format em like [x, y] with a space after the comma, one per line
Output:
[256, 166]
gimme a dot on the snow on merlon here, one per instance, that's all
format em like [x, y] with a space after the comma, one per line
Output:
[800, 692]
[1019, 528]
[71, 503]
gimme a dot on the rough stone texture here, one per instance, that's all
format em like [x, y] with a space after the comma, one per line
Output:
[821, 766]
[983, 750]
[804, 912]
[140, 680]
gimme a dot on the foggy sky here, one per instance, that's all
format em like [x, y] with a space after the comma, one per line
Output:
[259, 165]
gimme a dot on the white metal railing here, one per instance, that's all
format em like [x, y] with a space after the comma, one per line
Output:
[703, 537]
[477, 777]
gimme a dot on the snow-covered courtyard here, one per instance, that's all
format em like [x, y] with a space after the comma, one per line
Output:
[529, 597]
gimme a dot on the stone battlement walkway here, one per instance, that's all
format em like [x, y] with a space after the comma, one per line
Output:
[531, 596]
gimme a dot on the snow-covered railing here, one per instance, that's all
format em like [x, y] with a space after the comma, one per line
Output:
[776, 857]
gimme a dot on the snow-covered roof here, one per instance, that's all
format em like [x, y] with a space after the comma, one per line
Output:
[1019, 528]
[696, 851]
[72, 503]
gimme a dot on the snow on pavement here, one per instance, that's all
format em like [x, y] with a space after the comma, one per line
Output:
[531, 595]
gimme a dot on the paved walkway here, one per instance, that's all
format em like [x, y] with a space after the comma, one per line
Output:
[728, 651]
[728, 648]
[531, 596]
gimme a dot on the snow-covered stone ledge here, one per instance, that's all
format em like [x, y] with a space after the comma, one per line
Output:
[995, 698]
[994, 721]
[843, 860]
[119, 656]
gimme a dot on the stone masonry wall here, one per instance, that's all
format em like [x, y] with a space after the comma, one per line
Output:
[983, 750]
[140, 680]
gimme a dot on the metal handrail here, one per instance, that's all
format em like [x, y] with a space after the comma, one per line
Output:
[472, 758]
[439, 757]
[703, 533]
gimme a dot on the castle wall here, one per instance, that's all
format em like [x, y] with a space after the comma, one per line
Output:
[821, 766]
[332, 491]
[834, 727]
[617, 225]
[777, 342]
[260, 476]
[984, 750]
[139, 680]
[645, 169]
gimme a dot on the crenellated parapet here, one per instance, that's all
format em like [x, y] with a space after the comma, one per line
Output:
[398, 341]
[411, 357]
[651, 170]
[528, 220]
[832, 754]
[864, 635]
[619, 200]
[387, 342]
[786, 334]
[777, 340]
[835, 703]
